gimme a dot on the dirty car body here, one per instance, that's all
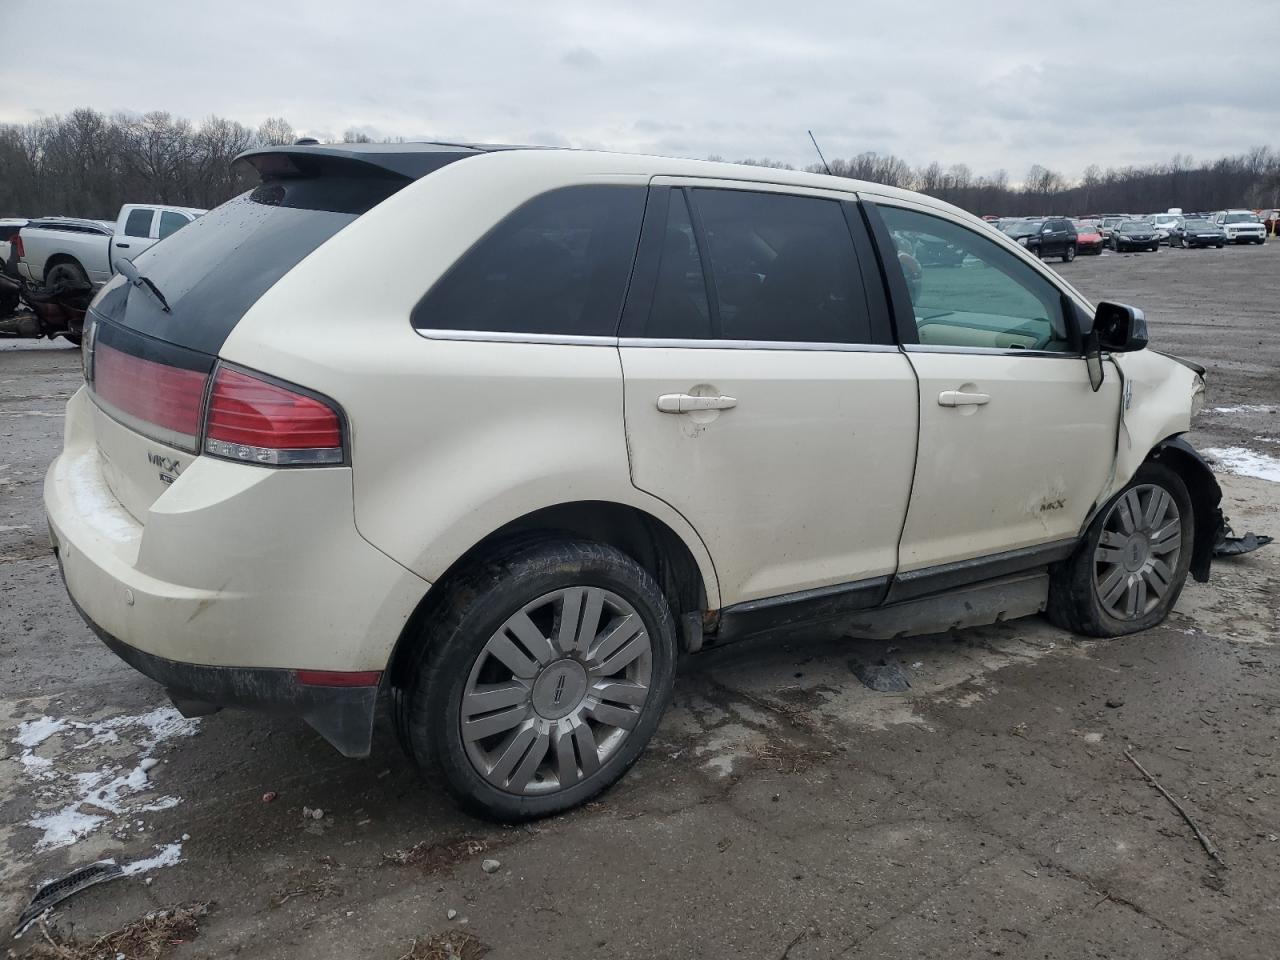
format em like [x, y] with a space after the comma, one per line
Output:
[599, 409]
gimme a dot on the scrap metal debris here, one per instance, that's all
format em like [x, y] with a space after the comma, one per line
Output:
[1205, 842]
[883, 677]
[56, 891]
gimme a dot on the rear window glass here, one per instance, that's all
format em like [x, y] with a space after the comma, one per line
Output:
[171, 222]
[784, 268]
[138, 223]
[216, 267]
[558, 265]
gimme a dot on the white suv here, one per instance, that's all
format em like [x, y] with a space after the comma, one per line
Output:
[1242, 226]
[594, 410]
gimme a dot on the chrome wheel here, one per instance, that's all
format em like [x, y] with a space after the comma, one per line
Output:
[556, 691]
[1138, 552]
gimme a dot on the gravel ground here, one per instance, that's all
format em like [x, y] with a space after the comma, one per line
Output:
[783, 811]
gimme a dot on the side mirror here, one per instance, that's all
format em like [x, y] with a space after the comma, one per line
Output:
[1120, 328]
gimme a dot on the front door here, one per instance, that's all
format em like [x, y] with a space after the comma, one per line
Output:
[1015, 446]
[764, 400]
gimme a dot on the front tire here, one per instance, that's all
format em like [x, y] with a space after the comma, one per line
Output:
[1130, 566]
[540, 680]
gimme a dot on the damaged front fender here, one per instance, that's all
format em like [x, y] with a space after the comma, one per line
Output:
[1206, 499]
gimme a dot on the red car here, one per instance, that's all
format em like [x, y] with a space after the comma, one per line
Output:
[1088, 237]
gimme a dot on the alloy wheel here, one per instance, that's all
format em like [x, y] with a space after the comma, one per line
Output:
[556, 691]
[1138, 552]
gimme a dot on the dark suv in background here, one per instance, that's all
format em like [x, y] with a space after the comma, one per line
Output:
[1051, 237]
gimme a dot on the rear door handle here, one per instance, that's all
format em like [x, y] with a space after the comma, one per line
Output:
[686, 403]
[957, 398]
[123, 246]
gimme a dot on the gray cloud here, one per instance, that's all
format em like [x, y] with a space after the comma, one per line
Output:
[996, 87]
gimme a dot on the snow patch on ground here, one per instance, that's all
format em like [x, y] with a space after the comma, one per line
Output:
[1246, 462]
[86, 799]
[170, 854]
[1243, 408]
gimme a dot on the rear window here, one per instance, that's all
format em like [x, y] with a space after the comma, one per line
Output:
[170, 222]
[557, 266]
[139, 223]
[217, 266]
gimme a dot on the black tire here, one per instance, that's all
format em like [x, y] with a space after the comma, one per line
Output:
[1073, 598]
[427, 705]
[1221, 245]
[75, 338]
[65, 271]
[1069, 253]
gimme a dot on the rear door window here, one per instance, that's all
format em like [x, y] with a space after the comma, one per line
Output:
[783, 268]
[557, 266]
[138, 223]
[171, 222]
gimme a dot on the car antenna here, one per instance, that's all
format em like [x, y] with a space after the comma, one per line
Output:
[826, 165]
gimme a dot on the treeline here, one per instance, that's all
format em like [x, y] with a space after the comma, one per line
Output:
[86, 164]
[1248, 180]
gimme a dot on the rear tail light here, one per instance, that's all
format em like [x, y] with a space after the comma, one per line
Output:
[155, 399]
[262, 421]
[18, 247]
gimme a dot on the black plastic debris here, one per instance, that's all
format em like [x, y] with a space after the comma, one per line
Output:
[882, 677]
[55, 891]
[1229, 546]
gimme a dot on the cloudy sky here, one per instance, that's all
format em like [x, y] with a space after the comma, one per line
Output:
[996, 85]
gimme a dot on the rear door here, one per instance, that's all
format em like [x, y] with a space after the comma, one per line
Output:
[764, 400]
[1015, 446]
[134, 234]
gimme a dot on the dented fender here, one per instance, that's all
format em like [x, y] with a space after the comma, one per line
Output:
[1156, 399]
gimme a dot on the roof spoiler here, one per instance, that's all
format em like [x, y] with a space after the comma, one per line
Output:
[407, 161]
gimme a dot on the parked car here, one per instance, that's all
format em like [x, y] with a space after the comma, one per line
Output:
[1270, 220]
[636, 394]
[1088, 237]
[1164, 224]
[85, 251]
[1134, 235]
[9, 227]
[1194, 232]
[1241, 226]
[1108, 224]
[1052, 237]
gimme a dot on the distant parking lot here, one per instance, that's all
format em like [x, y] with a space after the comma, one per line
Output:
[784, 811]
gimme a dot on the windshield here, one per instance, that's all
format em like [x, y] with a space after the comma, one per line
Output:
[1024, 228]
[1164, 218]
[1240, 218]
[1198, 225]
[1084, 226]
[1135, 225]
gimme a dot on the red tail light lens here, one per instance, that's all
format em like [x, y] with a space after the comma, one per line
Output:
[155, 399]
[255, 420]
[18, 247]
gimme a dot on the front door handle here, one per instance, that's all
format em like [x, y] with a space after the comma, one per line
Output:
[957, 398]
[686, 403]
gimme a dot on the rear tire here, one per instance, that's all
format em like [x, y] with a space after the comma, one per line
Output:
[493, 658]
[1069, 254]
[1130, 566]
[67, 271]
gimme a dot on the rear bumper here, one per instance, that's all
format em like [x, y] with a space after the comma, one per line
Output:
[343, 715]
[234, 579]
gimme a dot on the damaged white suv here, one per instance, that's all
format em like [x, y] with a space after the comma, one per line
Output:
[596, 410]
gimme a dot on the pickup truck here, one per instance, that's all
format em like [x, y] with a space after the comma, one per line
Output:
[62, 249]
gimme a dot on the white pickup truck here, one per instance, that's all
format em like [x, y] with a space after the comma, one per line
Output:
[60, 249]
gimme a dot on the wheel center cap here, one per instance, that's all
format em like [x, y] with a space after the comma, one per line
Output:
[1136, 552]
[560, 689]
